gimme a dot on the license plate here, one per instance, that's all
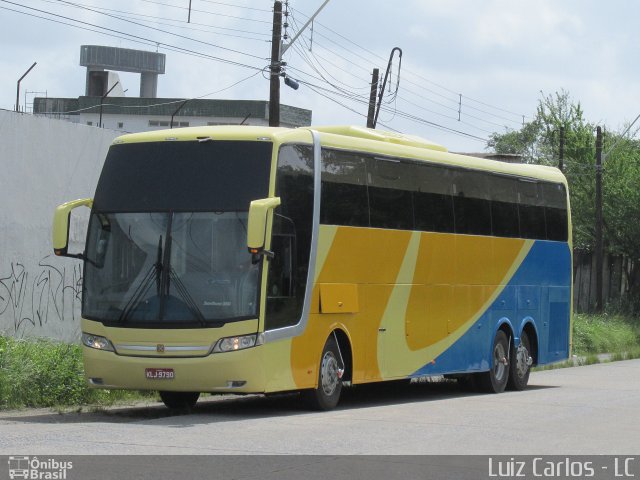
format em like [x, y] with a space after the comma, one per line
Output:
[159, 373]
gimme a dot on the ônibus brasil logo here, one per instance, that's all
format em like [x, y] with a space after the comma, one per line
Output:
[36, 469]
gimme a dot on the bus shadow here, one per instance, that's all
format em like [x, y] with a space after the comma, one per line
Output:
[215, 408]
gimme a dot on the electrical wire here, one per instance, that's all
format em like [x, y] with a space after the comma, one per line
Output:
[155, 104]
[390, 101]
[217, 14]
[149, 43]
[135, 37]
[236, 6]
[317, 88]
[408, 90]
[183, 22]
[421, 77]
[184, 37]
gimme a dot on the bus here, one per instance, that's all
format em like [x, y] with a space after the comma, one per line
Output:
[241, 259]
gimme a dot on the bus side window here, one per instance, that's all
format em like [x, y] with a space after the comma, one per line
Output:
[291, 237]
[531, 210]
[555, 200]
[344, 189]
[390, 186]
[283, 264]
[504, 206]
[472, 207]
[432, 200]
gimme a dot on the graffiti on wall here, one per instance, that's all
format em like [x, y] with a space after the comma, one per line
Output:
[29, 300]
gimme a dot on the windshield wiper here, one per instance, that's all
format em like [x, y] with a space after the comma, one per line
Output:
[139, 292]
[155, 272]
[186, 297]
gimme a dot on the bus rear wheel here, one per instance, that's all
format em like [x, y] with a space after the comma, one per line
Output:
[495, 380]
[327, 394]
[520, 367]
[179, 400]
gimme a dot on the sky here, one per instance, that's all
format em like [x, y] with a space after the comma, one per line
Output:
[469, 67]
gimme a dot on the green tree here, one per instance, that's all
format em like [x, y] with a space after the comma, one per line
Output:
[621, 210]
[538, 142]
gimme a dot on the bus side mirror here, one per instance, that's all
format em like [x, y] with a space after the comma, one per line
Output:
[257, 224]
[61, 226]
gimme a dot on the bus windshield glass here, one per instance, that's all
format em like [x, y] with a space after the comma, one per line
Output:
[167, 235]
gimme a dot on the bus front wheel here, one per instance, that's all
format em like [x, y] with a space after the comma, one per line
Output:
[327, 394]
[179, 400]
[495, 380]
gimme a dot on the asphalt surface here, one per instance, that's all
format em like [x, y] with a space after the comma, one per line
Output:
[573, 411]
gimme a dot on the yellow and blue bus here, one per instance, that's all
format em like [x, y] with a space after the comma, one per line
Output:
[260, 260]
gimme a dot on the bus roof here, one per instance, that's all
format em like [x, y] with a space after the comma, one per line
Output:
[356, 138]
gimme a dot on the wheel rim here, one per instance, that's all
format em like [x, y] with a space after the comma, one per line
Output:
[522, 363]
[499, 360]
[329, 374]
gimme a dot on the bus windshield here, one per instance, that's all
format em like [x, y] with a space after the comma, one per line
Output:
[167, 234]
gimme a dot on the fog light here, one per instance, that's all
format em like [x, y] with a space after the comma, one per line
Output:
[236, 383]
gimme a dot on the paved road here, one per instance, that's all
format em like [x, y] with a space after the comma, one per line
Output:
[584, 410]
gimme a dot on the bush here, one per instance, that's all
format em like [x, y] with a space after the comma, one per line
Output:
[44, 373]
[593, 334]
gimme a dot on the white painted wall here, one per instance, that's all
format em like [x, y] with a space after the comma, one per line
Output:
[44, 162]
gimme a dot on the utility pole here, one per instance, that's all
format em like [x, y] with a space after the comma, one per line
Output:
[277, 50]
[561, 159]
[372, 97]
[599, 243]
[275, 67]
[384, 82]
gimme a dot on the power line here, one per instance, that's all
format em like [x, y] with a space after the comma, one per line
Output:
[237, 6]
[205, 12]
[184, 37]
[136, 37]
[184, 23]
[155, 104]
[149, 43]
[405, 115]
[316, 56]
[306, 59]
[375, 55]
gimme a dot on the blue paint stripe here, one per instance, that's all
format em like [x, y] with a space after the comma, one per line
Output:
[539, 292]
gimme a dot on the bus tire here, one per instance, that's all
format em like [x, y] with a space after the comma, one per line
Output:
[520, 365]
[495, 380]
[179, 400]
[327, 394]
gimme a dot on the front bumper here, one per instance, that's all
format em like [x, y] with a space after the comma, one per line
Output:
[231, 372]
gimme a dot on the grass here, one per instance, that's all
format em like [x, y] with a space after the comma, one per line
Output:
[45, 373]
[594, 334]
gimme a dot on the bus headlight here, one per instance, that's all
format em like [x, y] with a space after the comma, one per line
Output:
[97, 342]
[230, 344]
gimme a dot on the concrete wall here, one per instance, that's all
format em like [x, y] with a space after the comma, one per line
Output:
[43, 162]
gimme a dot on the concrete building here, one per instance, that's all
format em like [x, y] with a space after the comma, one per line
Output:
[105, 105]
[130, 115]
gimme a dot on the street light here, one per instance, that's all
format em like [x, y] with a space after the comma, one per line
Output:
[18, 88]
